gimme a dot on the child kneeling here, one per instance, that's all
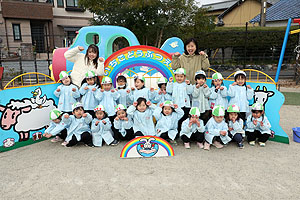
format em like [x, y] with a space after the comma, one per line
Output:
[193, 129]
[216, 129]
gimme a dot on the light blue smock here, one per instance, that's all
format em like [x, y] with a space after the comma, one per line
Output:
[240, 96]
[161, 98]
[200, 98]
[77, 126]
[167, 123]
[123, 125]
[218, 98]
[143, 121]
[145, 93]
[180, 93]
[188, 131]
[263, 129]
[212, 129]
[124, 97]
[102, 132]
[55, 128]
[238, 127]
[89, 99]
[66, 97]
[109, 100]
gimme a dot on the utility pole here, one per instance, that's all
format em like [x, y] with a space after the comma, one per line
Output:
[263, 12]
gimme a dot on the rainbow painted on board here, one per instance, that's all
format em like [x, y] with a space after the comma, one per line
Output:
[136, 141]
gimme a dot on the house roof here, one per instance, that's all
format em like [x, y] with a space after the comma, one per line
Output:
[220, 5]
[281, 10]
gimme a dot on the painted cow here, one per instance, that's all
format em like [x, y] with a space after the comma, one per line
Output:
[262, 96]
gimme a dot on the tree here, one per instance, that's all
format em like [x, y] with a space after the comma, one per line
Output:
[152, 21]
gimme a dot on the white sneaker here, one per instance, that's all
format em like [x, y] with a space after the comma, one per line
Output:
[56, 139]
[187, 145]
[64, 144]
[252, 143]
[262, 144]
[200, 145]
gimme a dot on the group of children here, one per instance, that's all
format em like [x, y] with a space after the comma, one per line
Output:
[94, 114]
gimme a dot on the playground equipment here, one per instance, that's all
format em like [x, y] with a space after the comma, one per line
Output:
[25, 109]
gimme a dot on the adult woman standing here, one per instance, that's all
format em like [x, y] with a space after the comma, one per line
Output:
[191, 60]
[84, 63]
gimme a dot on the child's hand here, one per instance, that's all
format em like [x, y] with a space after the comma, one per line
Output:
[175, 106]
[223, 133]
[112, 90]
[177, 54]
[128, 91]
[148, 103]
[132, 88]
[164, 92]
[66, 116]
[102, 90]
[125, 119]
[261, 123]
[198, 123]
[48, 135]
[202, 53]
[233, 120]
[255, 122]
[230, 128]
[190, 123]
[58, 90]
[249, 87]
[218, 87]
[159, 92]
[205, 85]
[74, 89]
[198, 85]
[234, 83]
[117, 118]
[86, 88]
[80, 48]
[97, 122]
[171, 79]
[84, 115]
[135, 104]
[151, 89]
[94, 89]
[187, 82]
[104, 122]
[116, 90]
[161, 105]
[222, 88]
[101, 59]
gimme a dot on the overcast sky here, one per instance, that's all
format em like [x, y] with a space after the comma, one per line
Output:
[209, 1]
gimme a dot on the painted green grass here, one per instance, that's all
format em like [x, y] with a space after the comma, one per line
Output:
[291, 98]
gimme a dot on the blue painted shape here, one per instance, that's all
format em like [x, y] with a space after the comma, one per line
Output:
[173, 45]
[283, 49]
[36, 118]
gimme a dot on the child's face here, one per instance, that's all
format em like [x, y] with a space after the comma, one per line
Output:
[218, 119]
[66, 81]
[138, 84]
[163, 86]
[142, 107]
[191, 48]
[167, 110]
[233, 116]
[240, 81]
[121, 82]
[121, 114]
[57, 121]
[99, 114]
[257, 113]
[179, 78]
[91, 54]
[201, 81]
[107, 87]
[78, 112]
[217, 82]
[90, 81]
[194, 117]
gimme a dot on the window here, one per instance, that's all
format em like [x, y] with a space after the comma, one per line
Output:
[92, 38]
[72, 3]
[17, 31]
[60, 3]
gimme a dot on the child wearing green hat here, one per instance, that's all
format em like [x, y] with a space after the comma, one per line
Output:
[258, 126]
[67, 93]
[89, 91]
[235, 125]
[218, 94]
[167, 115]
[193, 129]
[123, 123]
[216, 129]
[56, 128]
[161, 95]
[140, 90]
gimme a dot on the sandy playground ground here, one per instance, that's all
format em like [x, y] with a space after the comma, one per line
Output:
[50, 171]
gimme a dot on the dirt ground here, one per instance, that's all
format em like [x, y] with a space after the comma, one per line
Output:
[50, 171]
